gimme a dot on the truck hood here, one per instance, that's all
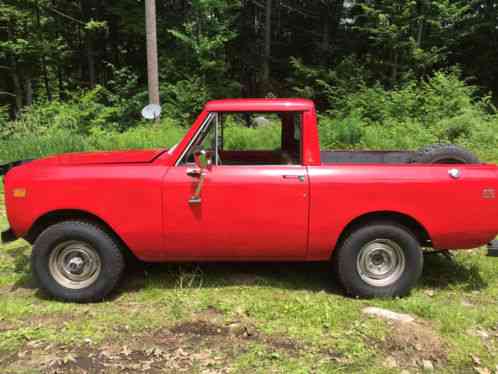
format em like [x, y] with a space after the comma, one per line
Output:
[114, 157]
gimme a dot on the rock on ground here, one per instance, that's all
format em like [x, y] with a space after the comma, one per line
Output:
[388, 314]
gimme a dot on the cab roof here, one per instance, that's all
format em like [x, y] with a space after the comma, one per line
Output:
[259, 105]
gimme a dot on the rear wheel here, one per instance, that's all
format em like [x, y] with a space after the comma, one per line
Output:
[379, 260]
[77, 261]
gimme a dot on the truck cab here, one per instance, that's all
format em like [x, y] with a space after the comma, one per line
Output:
[253, 203]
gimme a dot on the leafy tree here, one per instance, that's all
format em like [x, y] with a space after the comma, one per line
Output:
[323, 49]
[407, 38]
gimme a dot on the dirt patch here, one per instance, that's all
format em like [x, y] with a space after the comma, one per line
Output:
[233, 330]
[36, 320]
[6, 326]
[26, 290]
[156, 353]
[200, 327]
[211, 313]
[283, 343]
[196, 345]
[49, 320]
[410, 344]
[206, 343]
[6, 358]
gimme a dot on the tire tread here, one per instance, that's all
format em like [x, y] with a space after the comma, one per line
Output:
[113, 257]
[357, 288]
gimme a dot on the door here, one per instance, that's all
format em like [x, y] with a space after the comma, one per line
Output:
[246, 212]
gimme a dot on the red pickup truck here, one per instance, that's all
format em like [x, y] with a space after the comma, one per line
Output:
[369, 213]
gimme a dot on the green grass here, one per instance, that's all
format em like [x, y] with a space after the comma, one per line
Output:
[299, 321]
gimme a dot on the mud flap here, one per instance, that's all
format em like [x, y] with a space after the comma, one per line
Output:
[8, 236]
[493, 248]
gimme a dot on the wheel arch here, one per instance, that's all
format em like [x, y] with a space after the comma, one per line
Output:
[56, 216]
[420, 232]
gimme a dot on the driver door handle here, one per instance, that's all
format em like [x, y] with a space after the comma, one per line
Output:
[299, 177]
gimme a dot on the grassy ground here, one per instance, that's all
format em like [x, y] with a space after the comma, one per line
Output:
[249, 318]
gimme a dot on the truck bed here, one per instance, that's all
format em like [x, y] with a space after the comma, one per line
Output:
[366, 157]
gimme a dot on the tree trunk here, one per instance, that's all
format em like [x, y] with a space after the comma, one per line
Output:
[28, 90]
[62, 93]
[337, 17]
[58, 62]
[420, 32]
[114, 42]
[331, 15]
[152, 65]
[394, 72]
[81, 56]
[17, 87]
[267, 44]
[86, 6]
[46, 80]
[43, 63]
[16, 81]
[103, 44]
[325, 34]
[326, 17]
[90, 61]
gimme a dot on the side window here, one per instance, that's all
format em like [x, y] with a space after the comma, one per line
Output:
[240, 138]
[260, 138]
[205, 139]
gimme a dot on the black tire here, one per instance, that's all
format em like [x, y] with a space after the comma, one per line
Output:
[348, 256]
[105, 249]
[444, 154]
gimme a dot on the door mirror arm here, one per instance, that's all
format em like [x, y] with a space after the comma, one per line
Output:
[203, 163]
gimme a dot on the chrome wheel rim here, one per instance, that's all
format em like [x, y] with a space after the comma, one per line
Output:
[74, 264]
[380, 262]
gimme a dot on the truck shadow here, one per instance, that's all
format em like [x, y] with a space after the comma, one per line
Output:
[20, 256]
[293, 276]
[439, 273]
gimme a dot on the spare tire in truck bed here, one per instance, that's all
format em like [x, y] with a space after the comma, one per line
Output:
[444, 154]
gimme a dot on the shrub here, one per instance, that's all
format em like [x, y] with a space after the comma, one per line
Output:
[61, 140]
[237, 136]
[35, 146]
[82, 112]
[442, 109]
[344, 133]
[146, 135]
[184, 99]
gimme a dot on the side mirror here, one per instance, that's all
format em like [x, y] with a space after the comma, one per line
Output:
[202, 159]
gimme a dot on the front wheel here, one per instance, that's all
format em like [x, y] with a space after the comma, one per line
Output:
[379, 260]
[77, 261]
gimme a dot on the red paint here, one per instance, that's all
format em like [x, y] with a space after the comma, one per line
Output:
[260, 105]
[86, 158]
[251, 212]
[245, 212]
